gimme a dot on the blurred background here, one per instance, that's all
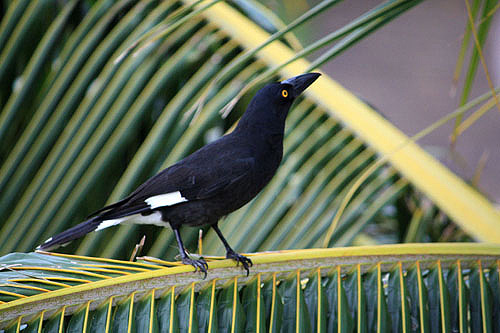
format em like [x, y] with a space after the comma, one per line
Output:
[405, 70]
[79, 129]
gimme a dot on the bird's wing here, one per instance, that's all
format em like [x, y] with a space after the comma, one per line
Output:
[194, 178]
[214, 182]
[192, 181]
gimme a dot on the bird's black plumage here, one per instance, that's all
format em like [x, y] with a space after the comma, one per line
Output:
[213, 181]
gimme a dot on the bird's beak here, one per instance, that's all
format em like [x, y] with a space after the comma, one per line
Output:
[301, 82]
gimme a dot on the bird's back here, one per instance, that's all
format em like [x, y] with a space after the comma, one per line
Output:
[214, 181]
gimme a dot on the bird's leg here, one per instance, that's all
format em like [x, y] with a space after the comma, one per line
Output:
[200, 264]
[231, 254]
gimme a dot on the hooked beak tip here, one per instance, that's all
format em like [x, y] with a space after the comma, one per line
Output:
[301, 82]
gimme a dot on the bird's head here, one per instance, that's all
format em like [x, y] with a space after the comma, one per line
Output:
[270, 105]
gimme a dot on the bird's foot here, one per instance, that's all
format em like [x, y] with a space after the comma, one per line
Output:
[198, 264]
[245, 262]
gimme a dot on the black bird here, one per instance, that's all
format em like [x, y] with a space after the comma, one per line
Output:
[212, 182]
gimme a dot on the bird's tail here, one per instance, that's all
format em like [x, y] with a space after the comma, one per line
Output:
[67, 236]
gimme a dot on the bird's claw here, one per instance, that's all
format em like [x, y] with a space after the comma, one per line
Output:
[245, 262]
[198, 264]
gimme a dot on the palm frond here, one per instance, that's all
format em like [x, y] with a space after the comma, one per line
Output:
[381, 288]
[99, 124]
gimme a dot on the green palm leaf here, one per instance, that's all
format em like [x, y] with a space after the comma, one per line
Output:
[99, 124]
[443, 287]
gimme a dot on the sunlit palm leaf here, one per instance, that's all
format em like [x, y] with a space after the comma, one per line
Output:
[443, 287]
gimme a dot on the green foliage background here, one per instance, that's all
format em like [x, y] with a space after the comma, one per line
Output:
[81, 127]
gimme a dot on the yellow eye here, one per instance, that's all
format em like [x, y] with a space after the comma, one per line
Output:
[284, 93]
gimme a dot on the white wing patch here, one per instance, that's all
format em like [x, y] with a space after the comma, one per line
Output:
[164, 200]
[154, 219]
[109, 223]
